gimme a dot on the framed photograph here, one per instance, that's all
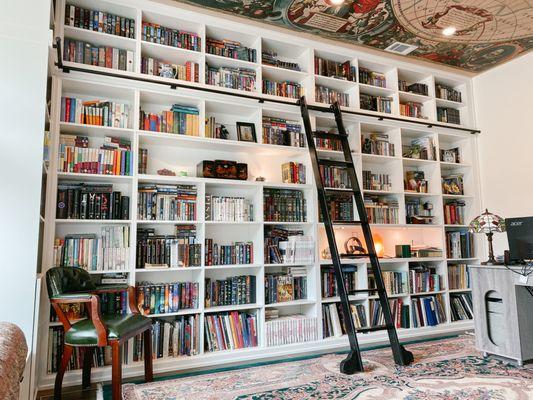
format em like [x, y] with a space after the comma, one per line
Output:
[246, 132]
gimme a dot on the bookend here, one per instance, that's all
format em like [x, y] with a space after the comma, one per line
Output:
[353, 362]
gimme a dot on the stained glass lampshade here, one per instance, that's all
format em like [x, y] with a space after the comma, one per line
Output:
[488, 223]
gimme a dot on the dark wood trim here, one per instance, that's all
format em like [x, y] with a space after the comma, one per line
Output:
[87, 364]
[132, 300]
[116, 370]
[148, 362]
[65, 358]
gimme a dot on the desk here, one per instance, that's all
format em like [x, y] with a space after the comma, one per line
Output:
[503, 310]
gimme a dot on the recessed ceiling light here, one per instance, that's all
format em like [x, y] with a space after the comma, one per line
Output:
[336, 2]
[449, 31]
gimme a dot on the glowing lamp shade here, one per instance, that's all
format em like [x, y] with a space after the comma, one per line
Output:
[378, 245]
[334, 2]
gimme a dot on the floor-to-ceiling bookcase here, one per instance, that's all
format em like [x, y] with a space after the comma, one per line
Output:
[182, 153]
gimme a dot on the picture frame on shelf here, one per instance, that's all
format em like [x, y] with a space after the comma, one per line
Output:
[246, 132]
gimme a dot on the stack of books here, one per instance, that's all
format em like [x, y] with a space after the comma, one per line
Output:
[282, 132]
[234, 290]
[237, 253]
[166, 202]
[271, 58]
[284, 205]
[231, 49]
[165, 298]
[95, 112]
[180, 119]
[329, 96]
[101, 56]
[289, 329]
[378, 144]
[155, 33]
[230, 331]
[99, 21]
[382, 210]
[373, 78]
[375, 103]
[333, 69]
[231, 78]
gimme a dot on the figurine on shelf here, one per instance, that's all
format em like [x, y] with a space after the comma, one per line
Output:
[165, 172]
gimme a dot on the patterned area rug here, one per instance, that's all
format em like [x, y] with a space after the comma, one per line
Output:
[448, 369]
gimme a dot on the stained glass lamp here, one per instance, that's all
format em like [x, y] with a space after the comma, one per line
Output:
[488, 223]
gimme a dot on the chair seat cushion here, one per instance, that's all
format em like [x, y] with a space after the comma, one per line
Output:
[83, 332]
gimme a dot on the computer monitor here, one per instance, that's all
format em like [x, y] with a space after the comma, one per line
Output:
[520, 237]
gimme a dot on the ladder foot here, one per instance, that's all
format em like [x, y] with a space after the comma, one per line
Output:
[351, 364]
[406, 355]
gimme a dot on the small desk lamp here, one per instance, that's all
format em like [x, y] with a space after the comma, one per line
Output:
[488, 223]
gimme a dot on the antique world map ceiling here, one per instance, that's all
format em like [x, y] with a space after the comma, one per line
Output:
[487, 32]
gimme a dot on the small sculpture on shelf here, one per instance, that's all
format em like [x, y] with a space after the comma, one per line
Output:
[165, 172]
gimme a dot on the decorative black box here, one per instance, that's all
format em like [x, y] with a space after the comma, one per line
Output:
[222, 169]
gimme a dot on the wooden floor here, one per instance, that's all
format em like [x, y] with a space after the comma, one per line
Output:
[72, 393]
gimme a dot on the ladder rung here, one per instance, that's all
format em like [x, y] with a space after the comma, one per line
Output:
[338, 190]
[372, 328]
[328, 135]
[347, 257]
[346, 222]
[335, 163]
[356, 291]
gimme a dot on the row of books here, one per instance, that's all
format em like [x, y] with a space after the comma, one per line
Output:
[289, 329]
[459, 244]
[427, 311]
[328, 144]
[155, 33]
[447, 93]
[91, 201]
[394, 282]
[112, 158]
[458, 276]
[455, 212]
[291, 90]
[101, 355]
[329, 283]
[180, 250]
[334, 69]
[180, 119]
[94, 112]
[284, 205]
[230, 254]
[269, 57]
[327, 95]
[375, 103]
[230, 331]
[214, 129]
[91, 252]
[231, 78]
[293, 172]
[411, 109]
[341, 207]
[418, 211]
[399, 312]
[286, 286]
[373, 78]
[230, 49]
[99, 21]
[102, 56]
[276, 242]
[333, 324]
[234, 290]
[335, 177]
[423, 279]
[158, 202]
[372, 181]
[382, 210]
[142, 164]
[418, 88]
[461, 307]
[228, 209]
[171, 338]
[378, 144]
[282, 132]
[165, 298]
[449, 115]
[189, 72]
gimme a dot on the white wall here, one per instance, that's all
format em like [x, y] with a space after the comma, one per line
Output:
[504, 112]
[23, 46]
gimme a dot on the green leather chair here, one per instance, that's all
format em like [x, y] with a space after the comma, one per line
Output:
[74, 285]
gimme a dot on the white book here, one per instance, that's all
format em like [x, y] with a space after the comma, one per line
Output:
[72, 12]
[115, 58]
[166, 338]
[129, 61]
[335, 321]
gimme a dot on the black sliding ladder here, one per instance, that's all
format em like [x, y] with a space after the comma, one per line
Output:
[353, 362]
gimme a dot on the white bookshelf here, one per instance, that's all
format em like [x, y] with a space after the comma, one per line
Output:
[183, 153]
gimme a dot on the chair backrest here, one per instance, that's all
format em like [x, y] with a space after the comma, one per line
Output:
[65, 280]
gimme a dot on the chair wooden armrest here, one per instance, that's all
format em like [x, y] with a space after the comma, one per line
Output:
[93, 311]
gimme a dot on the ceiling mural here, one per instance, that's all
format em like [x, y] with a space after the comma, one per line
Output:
[487, 32]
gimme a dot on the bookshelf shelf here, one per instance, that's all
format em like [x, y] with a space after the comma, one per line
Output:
[302, 302]
[183, 153]
[99, 38]
[459, 290]
[109, 271]
[231, 308]
[93, 221]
